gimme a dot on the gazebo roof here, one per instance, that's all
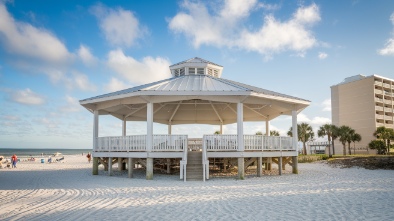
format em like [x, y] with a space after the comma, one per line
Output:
[195, 98]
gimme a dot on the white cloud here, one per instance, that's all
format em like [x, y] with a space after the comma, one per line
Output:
[115, 85]
[27, 96]
[120, 27]
[26, 40]
[326, 104]
[72, 80]
[322, 55]
[145, 71]
[227, 27]
[318, 121]
[72, 105]
[389, 46]
[86, 56]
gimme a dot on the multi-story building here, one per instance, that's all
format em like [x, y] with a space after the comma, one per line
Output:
[363, 103]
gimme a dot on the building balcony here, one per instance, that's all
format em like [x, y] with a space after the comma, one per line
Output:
[379, 108]
[389, 110]
[385, 85]
[378, 91]
[378, 116]
[378, 83]
[387, 101]
[388, 117]
[378, 99]
[379, 124]
[388, 93]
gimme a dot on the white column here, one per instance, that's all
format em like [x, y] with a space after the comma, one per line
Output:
[169, 128]
[149, 122]
[295, 132]
[124, 128]
[95, 129]
[240, 126]
[267, 127]
[221, 127]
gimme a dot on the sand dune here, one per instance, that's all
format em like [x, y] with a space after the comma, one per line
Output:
[68, 191]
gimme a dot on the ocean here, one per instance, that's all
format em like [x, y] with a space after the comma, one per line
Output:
[7, 152]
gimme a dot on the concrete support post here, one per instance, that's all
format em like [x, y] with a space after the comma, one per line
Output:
[221, 128]
[130, 167]
[280, 165]
[241, 168]
[168, 166]
[95, 166]
[95, 129]
[149, 121]
[120, 164]
[295, 132]
[240, 126]
[149, 168]
[259, 166]
[268, 164]
[110, 166]
[295, 164]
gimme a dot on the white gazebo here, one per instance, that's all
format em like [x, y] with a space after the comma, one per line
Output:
[196, 94]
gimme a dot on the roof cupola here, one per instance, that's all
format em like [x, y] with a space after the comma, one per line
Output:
[196, 66]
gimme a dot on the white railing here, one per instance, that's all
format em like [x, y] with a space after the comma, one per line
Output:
[138, 143]
[168, 142]
[220, 142]
[194, 144]
[251, 143]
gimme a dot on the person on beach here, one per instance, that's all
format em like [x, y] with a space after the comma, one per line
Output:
[14, 159]
[89, 157]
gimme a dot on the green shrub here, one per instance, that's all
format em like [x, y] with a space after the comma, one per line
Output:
[311, 158]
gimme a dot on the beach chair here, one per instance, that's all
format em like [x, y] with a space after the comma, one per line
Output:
[59, 159]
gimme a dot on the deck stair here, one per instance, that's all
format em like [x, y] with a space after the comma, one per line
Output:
[194, 169]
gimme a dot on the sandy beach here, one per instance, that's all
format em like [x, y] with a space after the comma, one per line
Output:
[68, 191]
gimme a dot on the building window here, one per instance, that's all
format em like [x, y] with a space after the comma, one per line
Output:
[192, 71]
[181, 71]
[209, 72]
[215, 73]
[200, 71]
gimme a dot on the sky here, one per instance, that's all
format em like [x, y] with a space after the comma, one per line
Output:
[55, 53]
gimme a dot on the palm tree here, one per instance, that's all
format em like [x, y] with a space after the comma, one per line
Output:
[355, 138]
[274, 133]
[305, 133]
[385, 134]
[217, 132]
[259, 133]
[326, 130]
[349, 140]
[344, 134]
[334, 136]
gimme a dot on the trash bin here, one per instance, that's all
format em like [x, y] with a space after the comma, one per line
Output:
[42, 161]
